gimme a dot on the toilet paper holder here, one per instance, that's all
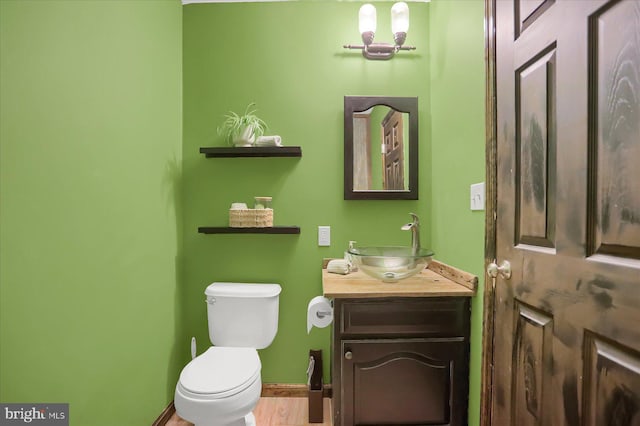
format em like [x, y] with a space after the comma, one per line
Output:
[319, 313]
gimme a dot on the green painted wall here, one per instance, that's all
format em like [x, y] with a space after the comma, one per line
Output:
[288, 58]
[90, 159]
[457, 120]
[95, 179]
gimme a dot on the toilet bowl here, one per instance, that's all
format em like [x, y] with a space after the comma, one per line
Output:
[222, 386]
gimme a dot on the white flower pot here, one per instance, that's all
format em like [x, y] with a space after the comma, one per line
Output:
[245, 138]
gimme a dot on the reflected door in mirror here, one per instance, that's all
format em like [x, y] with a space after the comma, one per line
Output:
[381, 148]
[393, 151]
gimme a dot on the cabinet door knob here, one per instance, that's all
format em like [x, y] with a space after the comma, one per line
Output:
[348, 355]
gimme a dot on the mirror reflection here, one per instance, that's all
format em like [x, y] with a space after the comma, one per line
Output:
[381, 148]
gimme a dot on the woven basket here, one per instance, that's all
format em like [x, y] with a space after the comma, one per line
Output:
[250, 218]
[264, 218]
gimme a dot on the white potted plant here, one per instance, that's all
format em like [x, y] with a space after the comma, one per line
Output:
[242, 130]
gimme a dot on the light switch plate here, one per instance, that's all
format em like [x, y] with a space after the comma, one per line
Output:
[477, 196]
[324, 236]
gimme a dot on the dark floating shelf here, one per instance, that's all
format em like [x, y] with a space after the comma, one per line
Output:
[228, 230]
[252, 151]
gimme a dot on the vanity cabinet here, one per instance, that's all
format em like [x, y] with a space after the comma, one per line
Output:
[400, 361]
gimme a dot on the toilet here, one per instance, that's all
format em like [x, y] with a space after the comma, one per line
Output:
[222, 386]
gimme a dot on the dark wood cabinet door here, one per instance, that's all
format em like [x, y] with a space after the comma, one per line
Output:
[404, 382]
[567, 341]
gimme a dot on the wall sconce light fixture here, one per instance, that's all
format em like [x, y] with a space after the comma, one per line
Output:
[367, 26]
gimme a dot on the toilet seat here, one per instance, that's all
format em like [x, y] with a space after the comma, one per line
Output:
[220, 372]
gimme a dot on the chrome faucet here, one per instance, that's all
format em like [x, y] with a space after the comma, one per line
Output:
[415, 233]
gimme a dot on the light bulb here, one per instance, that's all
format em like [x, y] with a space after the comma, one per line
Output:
[399, 18]
[367, 18]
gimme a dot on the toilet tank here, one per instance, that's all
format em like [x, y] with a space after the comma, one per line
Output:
[242, 315]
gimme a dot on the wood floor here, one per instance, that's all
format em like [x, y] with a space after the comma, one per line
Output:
[277, 411]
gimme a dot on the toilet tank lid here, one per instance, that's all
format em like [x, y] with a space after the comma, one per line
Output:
[243, 290]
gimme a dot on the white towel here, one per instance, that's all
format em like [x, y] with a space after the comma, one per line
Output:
[338, 266]
[274, 140]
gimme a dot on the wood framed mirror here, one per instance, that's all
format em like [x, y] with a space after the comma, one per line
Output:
[380, 148]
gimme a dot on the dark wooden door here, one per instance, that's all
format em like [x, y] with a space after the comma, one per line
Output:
[567, 322]
[393, 157]
[404, 382]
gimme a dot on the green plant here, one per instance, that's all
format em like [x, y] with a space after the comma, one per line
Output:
[247, 127]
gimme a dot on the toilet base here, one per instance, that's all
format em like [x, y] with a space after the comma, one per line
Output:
[248, 420]
[219, 412]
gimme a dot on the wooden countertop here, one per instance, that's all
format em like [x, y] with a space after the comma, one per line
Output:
[437, 280]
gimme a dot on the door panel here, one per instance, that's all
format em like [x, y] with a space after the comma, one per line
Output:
[532, 351]
[612, 383]
[526, 12]
[568, 208]
[615, 88]
[535, 169]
